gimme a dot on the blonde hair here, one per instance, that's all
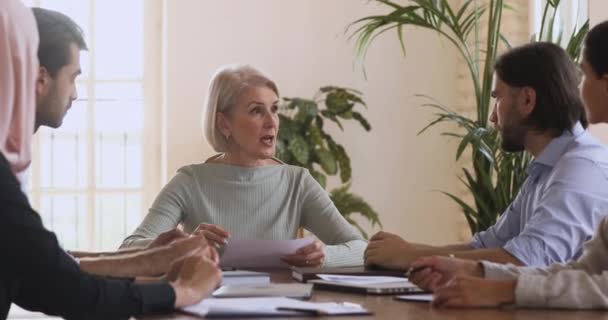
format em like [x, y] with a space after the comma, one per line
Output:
[227, 84]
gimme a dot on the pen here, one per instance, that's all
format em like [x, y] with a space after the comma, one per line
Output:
[315, 312]
[411, 271]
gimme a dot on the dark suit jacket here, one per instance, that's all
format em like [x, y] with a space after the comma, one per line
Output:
[37, 275]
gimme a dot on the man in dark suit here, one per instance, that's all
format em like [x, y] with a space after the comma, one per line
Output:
[61, 41]
[36, 273]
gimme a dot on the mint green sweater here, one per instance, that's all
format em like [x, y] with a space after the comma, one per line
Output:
[269, 202]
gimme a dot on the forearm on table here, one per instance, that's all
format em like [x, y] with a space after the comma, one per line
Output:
[117, 266]
[89, 254]
[140, 263]
[447, 249]
[497, 255]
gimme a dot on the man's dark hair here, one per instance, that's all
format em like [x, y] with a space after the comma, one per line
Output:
[596, 48]
[549, 70]
[57, 32]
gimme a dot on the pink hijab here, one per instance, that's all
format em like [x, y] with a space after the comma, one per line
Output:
[18, 73]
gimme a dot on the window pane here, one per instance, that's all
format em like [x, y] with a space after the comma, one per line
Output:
[119, 108]
[115, 212]
[119, 121]
[119, 39]
[77, 10]
[66, 215]
[63, 159]
[62, 186]
[119, 161]
[85, 65]
[75, 120]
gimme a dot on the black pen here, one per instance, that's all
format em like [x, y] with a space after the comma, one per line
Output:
[315, 312]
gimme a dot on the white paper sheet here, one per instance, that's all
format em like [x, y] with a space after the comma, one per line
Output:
[361, 279]
[241, 253]
[233, 307]
[416, 297]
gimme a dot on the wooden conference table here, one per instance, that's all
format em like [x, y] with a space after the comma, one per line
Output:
[384, 307]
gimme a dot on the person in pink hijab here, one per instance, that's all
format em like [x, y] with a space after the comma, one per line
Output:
[18, 72]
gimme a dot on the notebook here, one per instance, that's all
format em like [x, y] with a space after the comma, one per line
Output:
[289, 290]
[379, 285]
[243, 277]
[305, 274]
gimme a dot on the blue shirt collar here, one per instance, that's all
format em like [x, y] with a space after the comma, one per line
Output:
[556, 148]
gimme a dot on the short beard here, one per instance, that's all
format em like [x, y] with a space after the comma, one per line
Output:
[513, 135]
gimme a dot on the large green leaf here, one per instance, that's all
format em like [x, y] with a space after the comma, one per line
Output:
[316, 135]
[349, 203]
[287, 129]
[343, 161]
[331, 116]
[337, 102]
[299, 149]
[306, 113]
[364, 123]
[327, 161]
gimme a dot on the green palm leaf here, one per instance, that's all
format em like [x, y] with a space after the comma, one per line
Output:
[495, 177]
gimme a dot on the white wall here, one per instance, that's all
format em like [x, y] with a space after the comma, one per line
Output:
[598, 11]
[302, 45]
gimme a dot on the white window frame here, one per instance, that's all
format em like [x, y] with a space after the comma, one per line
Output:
[151, 137]
[571, 13]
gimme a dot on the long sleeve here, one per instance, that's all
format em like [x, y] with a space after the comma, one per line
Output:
[559, 206]
[507, 225]
[44, 278]
[582, 284]
[345, 246]
[166, 212]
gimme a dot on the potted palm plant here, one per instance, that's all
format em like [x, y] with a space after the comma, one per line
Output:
[493, 177]
[304, 141]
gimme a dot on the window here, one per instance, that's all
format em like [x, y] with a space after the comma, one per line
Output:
[570, 14]
[91, 179]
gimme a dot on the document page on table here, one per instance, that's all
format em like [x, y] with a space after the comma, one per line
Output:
[233, 307]
[244, 253]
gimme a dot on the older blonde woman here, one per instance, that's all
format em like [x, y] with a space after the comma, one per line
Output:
[244, 191]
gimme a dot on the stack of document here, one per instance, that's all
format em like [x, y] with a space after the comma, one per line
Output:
[267, 307]
[350, 279]
[242, 277]
[289, 290]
